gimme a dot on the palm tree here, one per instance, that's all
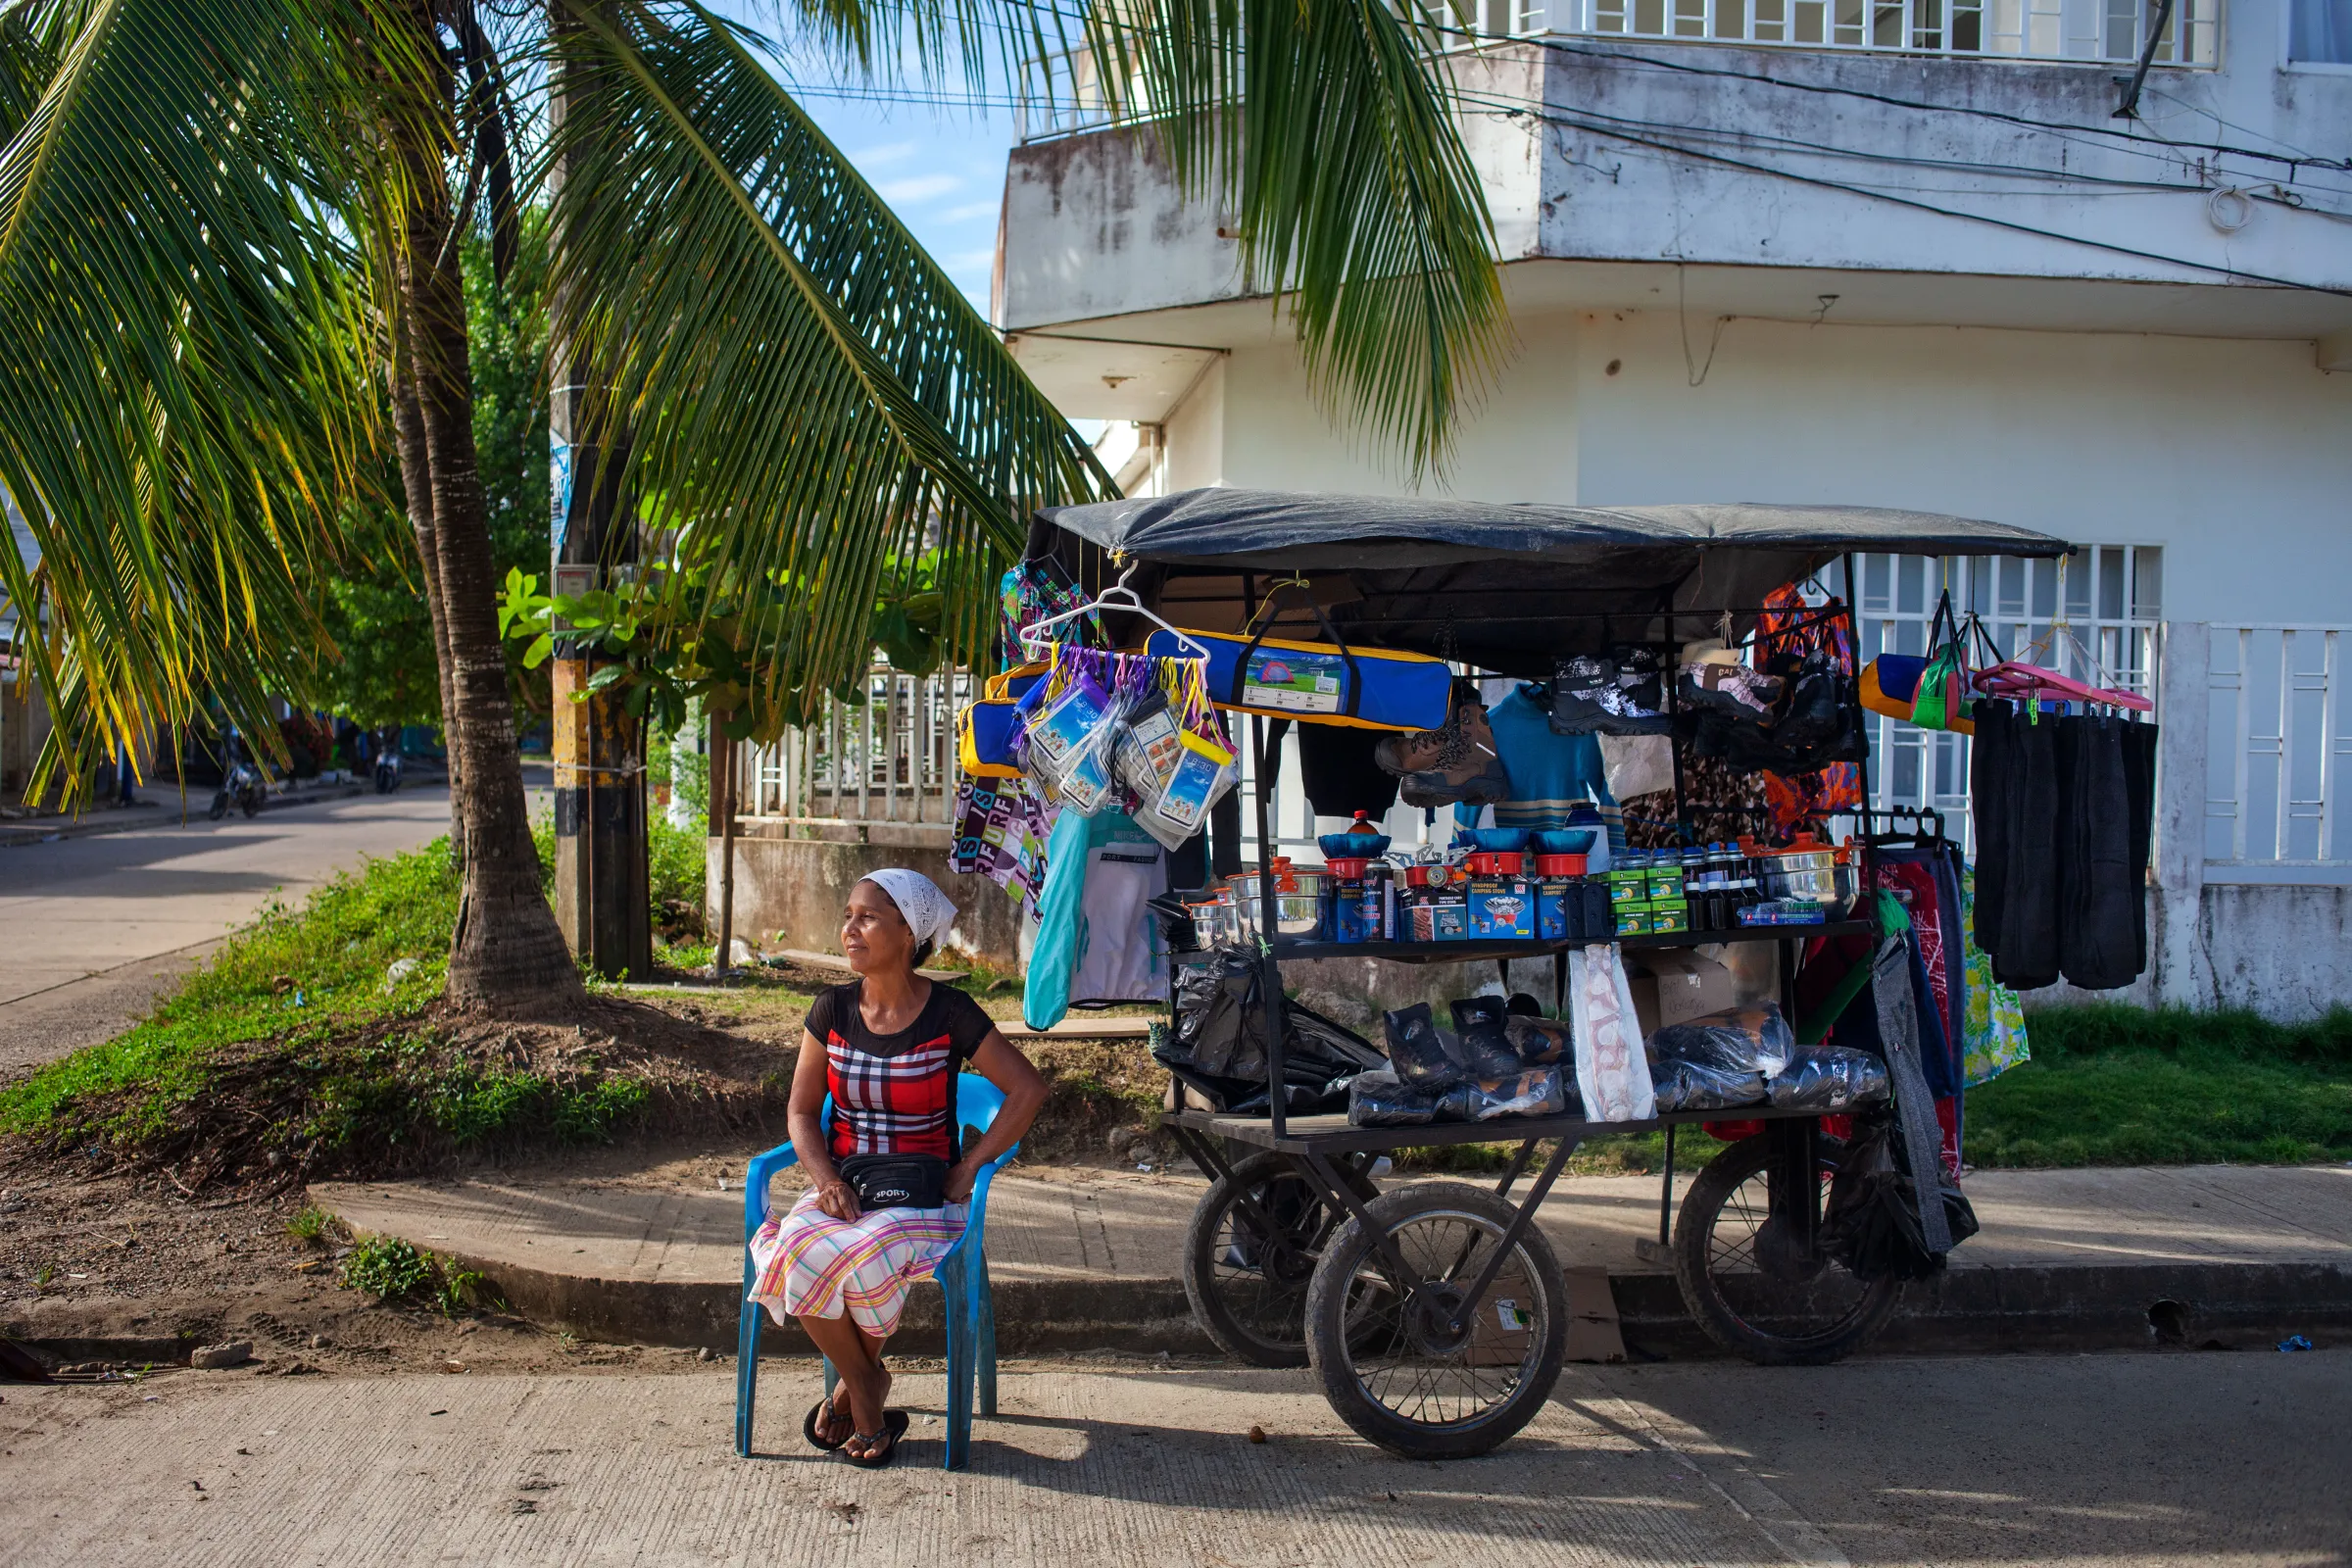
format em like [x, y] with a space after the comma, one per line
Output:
[228, 261]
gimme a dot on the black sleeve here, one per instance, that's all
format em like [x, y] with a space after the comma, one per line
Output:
[967, 1024]
[819, 1021]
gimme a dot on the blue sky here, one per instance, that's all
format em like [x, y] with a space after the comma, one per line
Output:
[941, 168]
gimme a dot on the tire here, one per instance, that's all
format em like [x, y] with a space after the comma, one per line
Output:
[220, 807]
[251, 806]
[1249, 1296]
[1812, 1321]
[1366, 1346]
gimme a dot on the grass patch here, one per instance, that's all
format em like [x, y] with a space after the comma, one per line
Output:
[393, 1270]
[2116, 1085]
[305, 1048]
[314, 1226]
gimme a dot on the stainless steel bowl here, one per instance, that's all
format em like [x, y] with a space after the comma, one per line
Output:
[1296, 915]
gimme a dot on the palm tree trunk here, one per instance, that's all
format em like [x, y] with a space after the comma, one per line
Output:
[507, 955]
[417, 478]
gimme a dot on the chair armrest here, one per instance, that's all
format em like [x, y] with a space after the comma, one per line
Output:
[754, 1185]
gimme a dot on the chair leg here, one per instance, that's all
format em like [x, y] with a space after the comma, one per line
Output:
[957, 1285]
[747, 1372]
[986, 1361]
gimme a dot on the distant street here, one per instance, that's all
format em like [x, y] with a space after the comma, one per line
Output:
[92, 929]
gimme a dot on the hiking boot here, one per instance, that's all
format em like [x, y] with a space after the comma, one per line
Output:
[1454, 765]
[1734, 689]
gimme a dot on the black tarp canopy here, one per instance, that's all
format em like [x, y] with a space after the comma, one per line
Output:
[1503, 587]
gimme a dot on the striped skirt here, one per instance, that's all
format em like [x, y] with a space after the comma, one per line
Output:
[806, 1263]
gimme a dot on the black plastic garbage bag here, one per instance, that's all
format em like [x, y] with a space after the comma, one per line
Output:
[1755, 1040]
[1871, 1224]
[1698, 1086]
[1220, 1044]
[1381, 1099]
[1828, 1078]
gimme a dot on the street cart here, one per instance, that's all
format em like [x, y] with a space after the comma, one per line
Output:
[1434, 1314]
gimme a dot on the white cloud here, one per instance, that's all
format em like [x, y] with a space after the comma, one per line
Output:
[918, 188]
[969, 211]
[890, 151]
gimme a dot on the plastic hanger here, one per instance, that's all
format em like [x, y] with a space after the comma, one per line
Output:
[1118, 596]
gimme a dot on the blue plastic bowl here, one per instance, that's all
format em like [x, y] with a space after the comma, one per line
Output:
[1563, 841]
[1496, 840]
[1352, 846]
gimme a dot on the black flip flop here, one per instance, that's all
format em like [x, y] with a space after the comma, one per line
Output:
[893, 1427]
[808, 1427]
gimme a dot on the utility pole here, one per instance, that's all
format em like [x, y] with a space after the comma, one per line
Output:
[601, 843]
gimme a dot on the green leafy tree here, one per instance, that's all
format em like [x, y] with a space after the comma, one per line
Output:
[230, 234]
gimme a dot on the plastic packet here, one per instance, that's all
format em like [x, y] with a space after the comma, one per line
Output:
[1483, 1040]
[1828, 1078]
[1383, 1099]
[1067, 742]
[1696, 1086]
[1540, 1042]
[1753, 1039]
[1540, 1093]
[1612, 1074]
[1418, 1051]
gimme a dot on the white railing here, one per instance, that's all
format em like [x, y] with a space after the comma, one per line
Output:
[2276, 743]
[2015, 29]
[891, 758]
[2096, 615]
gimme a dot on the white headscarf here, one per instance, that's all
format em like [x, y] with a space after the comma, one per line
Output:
[926, 910]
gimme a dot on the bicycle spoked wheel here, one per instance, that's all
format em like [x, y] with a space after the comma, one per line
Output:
[1247, 1266]
[1410, 1363]
[1744, 1283]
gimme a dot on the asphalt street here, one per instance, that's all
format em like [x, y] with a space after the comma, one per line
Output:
[93, 929]
[2114, 1460]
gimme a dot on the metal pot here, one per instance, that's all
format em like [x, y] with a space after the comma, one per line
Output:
[1298, 902]
[1831, 886]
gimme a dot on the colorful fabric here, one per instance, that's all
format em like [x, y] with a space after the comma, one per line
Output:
[1993, 1036]
[1809, 797]
[1723, 806]
[1025, 595]
[806, 1263]
[891, 1093]
[1002, 829]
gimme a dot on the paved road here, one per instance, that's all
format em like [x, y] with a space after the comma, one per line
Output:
[2112, 1461]
[93, 929]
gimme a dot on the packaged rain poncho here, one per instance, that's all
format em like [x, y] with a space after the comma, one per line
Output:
[1612, 1075]
[1827, 1078]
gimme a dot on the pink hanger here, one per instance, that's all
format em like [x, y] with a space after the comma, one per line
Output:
[2015, 678]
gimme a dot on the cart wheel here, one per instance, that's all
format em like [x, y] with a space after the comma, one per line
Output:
[1774, 1311]
[1248, 1290]
[1392, 1364]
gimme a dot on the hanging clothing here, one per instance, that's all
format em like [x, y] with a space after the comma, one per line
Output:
[1339, 775]
[1723, 805]
[1028, 594]
[1097, 940]
[1549, 774]
[1002, 829]
[1807, 798]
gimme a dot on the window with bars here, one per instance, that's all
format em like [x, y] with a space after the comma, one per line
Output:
[2096, 615]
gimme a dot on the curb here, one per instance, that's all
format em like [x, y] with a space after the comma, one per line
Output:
[1962, 1310]
[14, 836]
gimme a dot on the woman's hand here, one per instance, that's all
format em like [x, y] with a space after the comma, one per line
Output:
[839, 1198]
[960, 1177]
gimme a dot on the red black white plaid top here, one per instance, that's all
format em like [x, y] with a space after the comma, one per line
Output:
[891, 1092]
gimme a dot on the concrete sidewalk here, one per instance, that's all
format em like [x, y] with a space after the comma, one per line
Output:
[1086, 1259]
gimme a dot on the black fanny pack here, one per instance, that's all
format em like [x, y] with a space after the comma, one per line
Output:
[897, 1180]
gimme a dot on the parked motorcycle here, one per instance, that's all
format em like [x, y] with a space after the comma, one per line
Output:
[243, 787]
[387, 764]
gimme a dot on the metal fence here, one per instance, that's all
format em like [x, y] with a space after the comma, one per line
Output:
[2096, 615]
[2275, 743]
[891, 758]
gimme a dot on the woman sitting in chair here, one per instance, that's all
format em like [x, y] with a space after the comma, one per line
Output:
[888, 1048]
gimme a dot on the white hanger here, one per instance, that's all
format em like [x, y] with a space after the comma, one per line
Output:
[1118, 596]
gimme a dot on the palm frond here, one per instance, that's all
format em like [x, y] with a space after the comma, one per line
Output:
[1327, 129]
[183, 404]
[800, 382]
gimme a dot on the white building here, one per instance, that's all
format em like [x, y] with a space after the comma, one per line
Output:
[1886, 253]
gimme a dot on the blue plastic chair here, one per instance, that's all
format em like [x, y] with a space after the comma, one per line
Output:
[963, 1275]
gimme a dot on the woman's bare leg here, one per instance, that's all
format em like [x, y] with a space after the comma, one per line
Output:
[858, 1356]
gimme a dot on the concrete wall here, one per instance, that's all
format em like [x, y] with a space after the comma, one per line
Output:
[789, 892]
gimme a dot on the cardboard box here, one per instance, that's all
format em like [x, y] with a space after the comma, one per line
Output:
[1685, 986]
[1592, 1329]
